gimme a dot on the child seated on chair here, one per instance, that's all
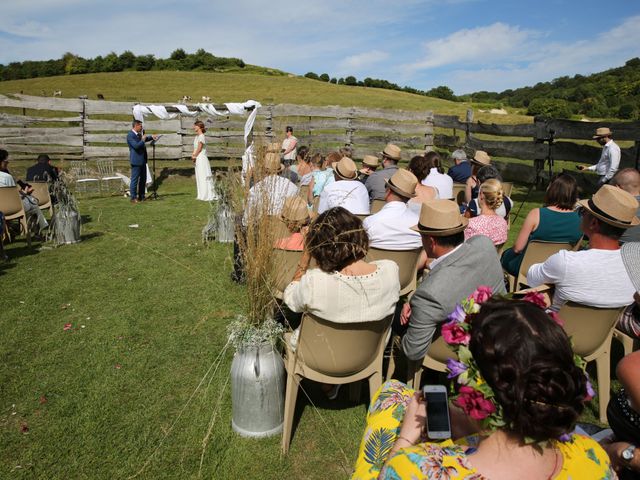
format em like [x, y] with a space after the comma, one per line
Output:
[295, 216]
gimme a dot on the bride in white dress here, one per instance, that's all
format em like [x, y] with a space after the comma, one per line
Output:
[204, 179]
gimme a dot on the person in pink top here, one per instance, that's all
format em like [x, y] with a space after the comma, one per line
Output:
[295, 216]
[489, 223]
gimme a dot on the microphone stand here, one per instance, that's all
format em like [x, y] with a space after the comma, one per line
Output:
[154, 184]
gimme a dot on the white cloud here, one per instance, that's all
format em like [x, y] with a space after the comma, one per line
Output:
[362, 60]
[27, 29]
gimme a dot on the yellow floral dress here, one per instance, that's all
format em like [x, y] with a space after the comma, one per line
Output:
[582, 457]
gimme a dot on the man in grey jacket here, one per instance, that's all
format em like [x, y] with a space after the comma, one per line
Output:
[458, 268]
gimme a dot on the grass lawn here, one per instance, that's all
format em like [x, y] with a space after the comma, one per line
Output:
[116, 395]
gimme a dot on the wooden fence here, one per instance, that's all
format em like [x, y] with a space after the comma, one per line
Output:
[90, 129]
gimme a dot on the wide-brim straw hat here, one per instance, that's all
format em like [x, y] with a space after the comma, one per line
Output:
[345, 169]
[403, 182]
[481, 158]
[295, 209]
[272, 163]
[440, 218]
[371, 161]
[630, 252]
[614, 206]
[392, 152]
[602, 132]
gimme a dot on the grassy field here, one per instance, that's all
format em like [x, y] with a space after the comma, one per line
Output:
[105, 343]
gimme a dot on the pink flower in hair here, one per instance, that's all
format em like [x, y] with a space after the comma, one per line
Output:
[482, 294]
[536, 298]
[556, 318]
[454, 334]
[474, 403]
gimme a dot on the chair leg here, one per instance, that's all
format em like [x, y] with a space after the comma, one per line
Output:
[291, 395]
[27, 231]
[355, 389]
[375, 382]
[414, 372]
[604, 384]
[391, 367]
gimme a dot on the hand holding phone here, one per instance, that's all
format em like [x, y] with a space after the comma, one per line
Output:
[438, 421]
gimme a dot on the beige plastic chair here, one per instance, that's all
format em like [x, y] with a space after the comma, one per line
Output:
[507, 187]
[41, 193]
[537, 252]
[591, 330]
[407, 261]
[303, 191]
[435, 359]
[628, 343]
[277, 227]
[11, 207]
[285, 263]
[376, 205]
[362, 216]
[333, 353]
[499, 249]
[316, 203]
[458, 192]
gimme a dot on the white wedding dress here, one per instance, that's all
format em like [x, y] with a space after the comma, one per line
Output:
[204, 179]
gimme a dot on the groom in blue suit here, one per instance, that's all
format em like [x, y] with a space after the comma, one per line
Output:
[138, 159]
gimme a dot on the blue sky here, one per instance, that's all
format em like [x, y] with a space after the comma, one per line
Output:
[469, 45]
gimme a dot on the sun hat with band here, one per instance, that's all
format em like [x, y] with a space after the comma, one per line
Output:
[272, 163]
[345, 169]
[440, 218]
[403, 182]
[602, 132]
[392, 152]
[371, 161]
[614, 206]
[295, 209]
[481, 158]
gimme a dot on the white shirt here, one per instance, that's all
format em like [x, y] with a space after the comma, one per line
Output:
[390, 228]
[273, 190]
[436, 261]
[349, 194]
[609, 161]
[592, 277]
[286, 144]
[441, 181]
[6, 180]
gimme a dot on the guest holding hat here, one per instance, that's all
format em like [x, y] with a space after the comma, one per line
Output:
[609, 161]
[457, 269]
[295, 216]
[370, 164]
[390, 228]
[461, 171]
[391, 155]
[480, 159]
[597, 276]
[346, 191]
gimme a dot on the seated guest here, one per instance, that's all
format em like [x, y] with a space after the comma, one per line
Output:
[344, 288]
[479, 160]
[519, 394]
[437, 178]
[369, 165]
[346, 191]
[346, 151]
[390, 228]
[456, 271]
[461, 171]
[295, 215]
[420, 166]
[489, 223]
[302, 167]
[628, 179]
[42, 171]
[391, 155]
[557, 221]
[597, 276]
[267, 196]
[473, 208]
[322, 175]
[629, 322]
[29, 202]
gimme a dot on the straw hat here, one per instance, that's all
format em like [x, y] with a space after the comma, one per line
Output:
[481, 158]
[403, 182]
[274, 147]
[439, 218]
[295, 209]
[371, 161]
[630, 252]
[614, 206]
[392, 152]
[272, 162]
[345, 169]
[602, 132]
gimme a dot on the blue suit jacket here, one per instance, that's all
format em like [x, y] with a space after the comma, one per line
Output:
[137, 148]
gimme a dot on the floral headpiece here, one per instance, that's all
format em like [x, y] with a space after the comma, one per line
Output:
[475, 396]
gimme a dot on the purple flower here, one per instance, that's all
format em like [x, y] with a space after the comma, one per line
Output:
[565, 437]
[458, 314]
[590, 392]
[455, 368]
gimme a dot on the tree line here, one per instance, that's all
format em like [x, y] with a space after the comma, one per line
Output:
[72, 64]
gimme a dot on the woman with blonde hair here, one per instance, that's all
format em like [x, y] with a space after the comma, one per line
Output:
[204, 179]
[489, 223]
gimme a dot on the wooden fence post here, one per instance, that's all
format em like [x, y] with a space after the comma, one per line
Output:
[428, 132]
[349, 131]
[467, 126]
[268, 129]
[83, 122]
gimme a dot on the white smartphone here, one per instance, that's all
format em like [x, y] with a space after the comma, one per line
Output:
[438, 424]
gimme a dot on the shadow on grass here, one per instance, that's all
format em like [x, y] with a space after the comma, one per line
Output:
[14, 251]
[6, 265]
[84, 219]
[167, 171]
[89, 236]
